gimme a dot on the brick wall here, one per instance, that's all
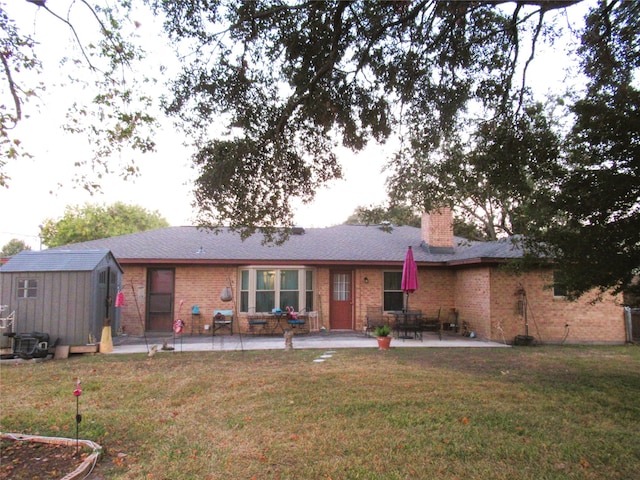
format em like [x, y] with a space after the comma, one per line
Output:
[492, 301]
[134, 282]
[553, 319]
[435, 291]
[322, 290]
[194, 285]
[472, 299]
[486, 297]
[202, 286]
[437, 228]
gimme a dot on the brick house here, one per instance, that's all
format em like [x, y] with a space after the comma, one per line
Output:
[339, 272]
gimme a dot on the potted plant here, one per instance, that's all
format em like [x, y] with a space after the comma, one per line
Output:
[383, 335]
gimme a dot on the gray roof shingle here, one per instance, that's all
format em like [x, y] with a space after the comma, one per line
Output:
[341, 243]
[55, 261]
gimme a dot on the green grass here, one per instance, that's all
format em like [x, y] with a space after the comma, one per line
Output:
[519, 413]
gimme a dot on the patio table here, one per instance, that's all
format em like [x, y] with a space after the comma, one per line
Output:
[268, 322]
[407, 322]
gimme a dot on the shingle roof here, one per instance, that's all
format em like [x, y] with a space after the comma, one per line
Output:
[341, 243]
[55, 261]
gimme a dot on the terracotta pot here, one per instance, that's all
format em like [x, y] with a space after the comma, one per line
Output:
[384, 343]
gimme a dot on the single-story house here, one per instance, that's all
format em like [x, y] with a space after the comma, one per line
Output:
[67, 294]
[339, 273]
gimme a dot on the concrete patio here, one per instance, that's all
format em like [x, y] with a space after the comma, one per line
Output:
[332, 340]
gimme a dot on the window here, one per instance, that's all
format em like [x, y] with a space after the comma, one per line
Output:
[559, 287]
[342, 287]
[309, 290]
[262, 289]
[265, 290]
[27, 288]
[289, 293]
[244, 291]
[393, 296]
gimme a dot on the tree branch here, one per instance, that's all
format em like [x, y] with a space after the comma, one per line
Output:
[302, 92]
[73, 30]
[13, 88]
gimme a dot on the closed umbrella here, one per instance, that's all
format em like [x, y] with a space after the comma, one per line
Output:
[409, 275]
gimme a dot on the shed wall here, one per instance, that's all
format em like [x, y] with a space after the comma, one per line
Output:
[61, 308]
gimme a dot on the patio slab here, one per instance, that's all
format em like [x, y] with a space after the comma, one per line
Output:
[186, 343]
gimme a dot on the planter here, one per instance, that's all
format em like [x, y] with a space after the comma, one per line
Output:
[384, 343]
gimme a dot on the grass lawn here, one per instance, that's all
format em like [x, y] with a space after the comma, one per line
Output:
[519, 413]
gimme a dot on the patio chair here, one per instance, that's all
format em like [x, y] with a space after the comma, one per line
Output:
[222, 319]
[374, 319]
[297, 320]
[433, 324]
[257, 322]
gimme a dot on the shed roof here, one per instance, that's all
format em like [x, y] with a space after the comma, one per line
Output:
[357, 244]
[62, 260]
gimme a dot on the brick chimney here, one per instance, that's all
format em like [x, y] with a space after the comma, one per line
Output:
[437, 228]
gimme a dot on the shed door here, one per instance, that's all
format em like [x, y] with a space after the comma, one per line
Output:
[160, 299]
[341, 301]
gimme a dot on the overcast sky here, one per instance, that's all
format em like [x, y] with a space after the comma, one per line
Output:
[42, 187]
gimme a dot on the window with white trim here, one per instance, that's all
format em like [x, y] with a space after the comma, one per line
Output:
[264, 288]
[27, 288]
[393, 296]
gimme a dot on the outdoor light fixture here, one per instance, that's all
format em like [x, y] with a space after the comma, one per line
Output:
[366, 279]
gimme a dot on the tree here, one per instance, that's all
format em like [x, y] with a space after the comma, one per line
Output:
[490, 174]
[91, 222]
[12, 247]
[269, 88]
[378, 214]
[16, 56]
[115, 117]
[291, 80]
[590, 223]
[403, 215]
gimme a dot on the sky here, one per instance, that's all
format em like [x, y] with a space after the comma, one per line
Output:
[41, 187]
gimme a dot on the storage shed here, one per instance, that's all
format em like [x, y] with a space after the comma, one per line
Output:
[65, 293]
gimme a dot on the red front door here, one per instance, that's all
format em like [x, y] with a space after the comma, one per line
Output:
[341, 301]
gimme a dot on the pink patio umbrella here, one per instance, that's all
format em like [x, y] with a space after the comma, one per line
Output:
[409, 275]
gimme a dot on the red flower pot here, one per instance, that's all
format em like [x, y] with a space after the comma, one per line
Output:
[384, 343]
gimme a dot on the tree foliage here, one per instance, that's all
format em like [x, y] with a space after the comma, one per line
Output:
[379, 214]
[16, 56]
[290, 80]
[269, 88]
[492, 175]
[113, 115]
[13, 246]
[92, 221]
[592, 218]
[404, 215]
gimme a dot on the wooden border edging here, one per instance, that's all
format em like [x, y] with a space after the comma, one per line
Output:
[85, 467]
